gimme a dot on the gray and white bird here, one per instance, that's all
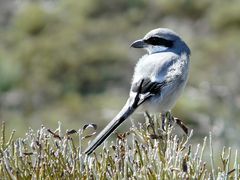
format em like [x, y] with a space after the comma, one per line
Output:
[158, 80]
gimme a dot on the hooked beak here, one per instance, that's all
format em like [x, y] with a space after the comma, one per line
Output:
[138, 44]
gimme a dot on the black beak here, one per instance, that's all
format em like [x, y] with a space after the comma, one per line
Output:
[139, 44]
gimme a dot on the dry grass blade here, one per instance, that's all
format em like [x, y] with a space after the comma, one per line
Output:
[163, 155]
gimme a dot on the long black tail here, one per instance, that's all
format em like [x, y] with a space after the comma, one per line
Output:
[131, 105]
[126, 111]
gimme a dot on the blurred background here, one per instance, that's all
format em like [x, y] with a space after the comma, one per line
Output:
[70, 61]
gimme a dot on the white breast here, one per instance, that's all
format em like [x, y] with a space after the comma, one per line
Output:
[160, 67]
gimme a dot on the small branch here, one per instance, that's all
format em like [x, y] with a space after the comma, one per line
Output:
[211, 156]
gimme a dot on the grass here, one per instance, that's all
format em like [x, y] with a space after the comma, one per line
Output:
[145, 152]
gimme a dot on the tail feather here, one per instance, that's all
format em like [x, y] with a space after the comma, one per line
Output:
[126, 111]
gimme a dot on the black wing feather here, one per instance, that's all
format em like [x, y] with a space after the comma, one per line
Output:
[148, 86]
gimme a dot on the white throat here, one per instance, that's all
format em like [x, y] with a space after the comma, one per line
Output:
[155, 49]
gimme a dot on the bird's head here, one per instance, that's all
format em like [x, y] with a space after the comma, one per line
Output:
[161, 40]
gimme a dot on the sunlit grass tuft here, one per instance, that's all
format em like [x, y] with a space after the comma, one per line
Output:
[145, 152]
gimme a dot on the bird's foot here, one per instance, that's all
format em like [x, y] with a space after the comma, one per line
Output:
[168, 120]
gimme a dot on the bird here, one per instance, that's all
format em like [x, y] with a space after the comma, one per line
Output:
[158, 80]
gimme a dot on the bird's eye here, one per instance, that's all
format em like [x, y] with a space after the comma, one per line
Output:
[157, 41]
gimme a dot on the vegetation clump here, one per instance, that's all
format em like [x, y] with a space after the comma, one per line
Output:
[145, 152]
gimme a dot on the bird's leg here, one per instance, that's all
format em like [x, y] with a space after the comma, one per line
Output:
[170, 118]
[150, 123]
[163, 116]
[167, 120]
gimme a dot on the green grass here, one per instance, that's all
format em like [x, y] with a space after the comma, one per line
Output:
[145, 152]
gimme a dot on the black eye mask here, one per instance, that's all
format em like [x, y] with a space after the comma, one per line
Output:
[157, 41]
